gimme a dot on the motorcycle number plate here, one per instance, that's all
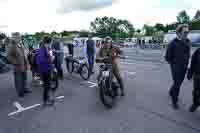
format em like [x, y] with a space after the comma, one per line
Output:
[106, 73]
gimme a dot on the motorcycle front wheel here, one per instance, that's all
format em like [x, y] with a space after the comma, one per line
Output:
[105, 96]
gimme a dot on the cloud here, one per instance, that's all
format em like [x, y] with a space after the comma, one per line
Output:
[67, 6]
[48, 15]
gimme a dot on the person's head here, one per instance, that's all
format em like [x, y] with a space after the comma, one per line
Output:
[16, 37]
[46, 41]
[12, 41]
[107, 42]
[182, 31]
[56, 38]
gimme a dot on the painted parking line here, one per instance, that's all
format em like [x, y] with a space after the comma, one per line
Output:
[92, 84]
[131, 73]
[138, 65]
[20, 108]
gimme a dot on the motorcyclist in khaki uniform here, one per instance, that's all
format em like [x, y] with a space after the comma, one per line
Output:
[115, 52]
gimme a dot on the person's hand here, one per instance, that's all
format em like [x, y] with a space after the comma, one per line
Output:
[22, 68]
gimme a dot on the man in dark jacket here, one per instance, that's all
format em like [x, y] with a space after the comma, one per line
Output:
[178, 55]
[194, 72]
[91, 51]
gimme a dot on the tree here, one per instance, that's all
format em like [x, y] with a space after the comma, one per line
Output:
[84, 33]
[138, 31]
[183, 17]
[65, 33]
[39, 35]
[149, 30]
[197, 15]
[2, 36]
[159, 27]
[115, 28]
[171, 26]
[53, 33]
[195, 25]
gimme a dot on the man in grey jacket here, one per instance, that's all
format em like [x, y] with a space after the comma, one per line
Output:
[178, 55]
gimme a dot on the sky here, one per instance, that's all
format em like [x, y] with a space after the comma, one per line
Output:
[57, 15]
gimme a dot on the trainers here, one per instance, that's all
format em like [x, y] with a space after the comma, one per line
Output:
[175, 105]
[27, 91]
[193, 108]
[21, 95]
[48, 103]
[122, 93]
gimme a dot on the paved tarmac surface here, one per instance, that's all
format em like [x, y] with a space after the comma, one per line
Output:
[145, 109]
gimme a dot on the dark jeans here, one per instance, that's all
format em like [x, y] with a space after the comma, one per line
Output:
[91, 62]
[46, 85]
[20, 81]
[196, 89]
[59, 68]
[178, 75]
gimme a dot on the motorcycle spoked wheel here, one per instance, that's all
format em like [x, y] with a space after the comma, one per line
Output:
[106, 96]
[84, 72]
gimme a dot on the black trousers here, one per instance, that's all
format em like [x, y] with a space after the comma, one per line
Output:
[46, 85]
[20, 81]
[196, 89]
[178, 75]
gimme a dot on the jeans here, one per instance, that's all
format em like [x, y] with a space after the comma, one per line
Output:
[91, 62]
[20, 81]
[178, 75]
[46, 85]
[196, 90]
[58, 66]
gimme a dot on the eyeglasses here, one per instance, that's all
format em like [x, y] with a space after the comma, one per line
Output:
[185, 32]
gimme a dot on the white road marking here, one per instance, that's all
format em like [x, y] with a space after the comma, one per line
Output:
[60, 97]
[24, 109]
[21, 109]
[93, 84]
[138, 65]
[18, 106]
[131, 73]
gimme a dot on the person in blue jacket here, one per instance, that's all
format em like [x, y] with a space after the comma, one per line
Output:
[91, 52]
[178, 55]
